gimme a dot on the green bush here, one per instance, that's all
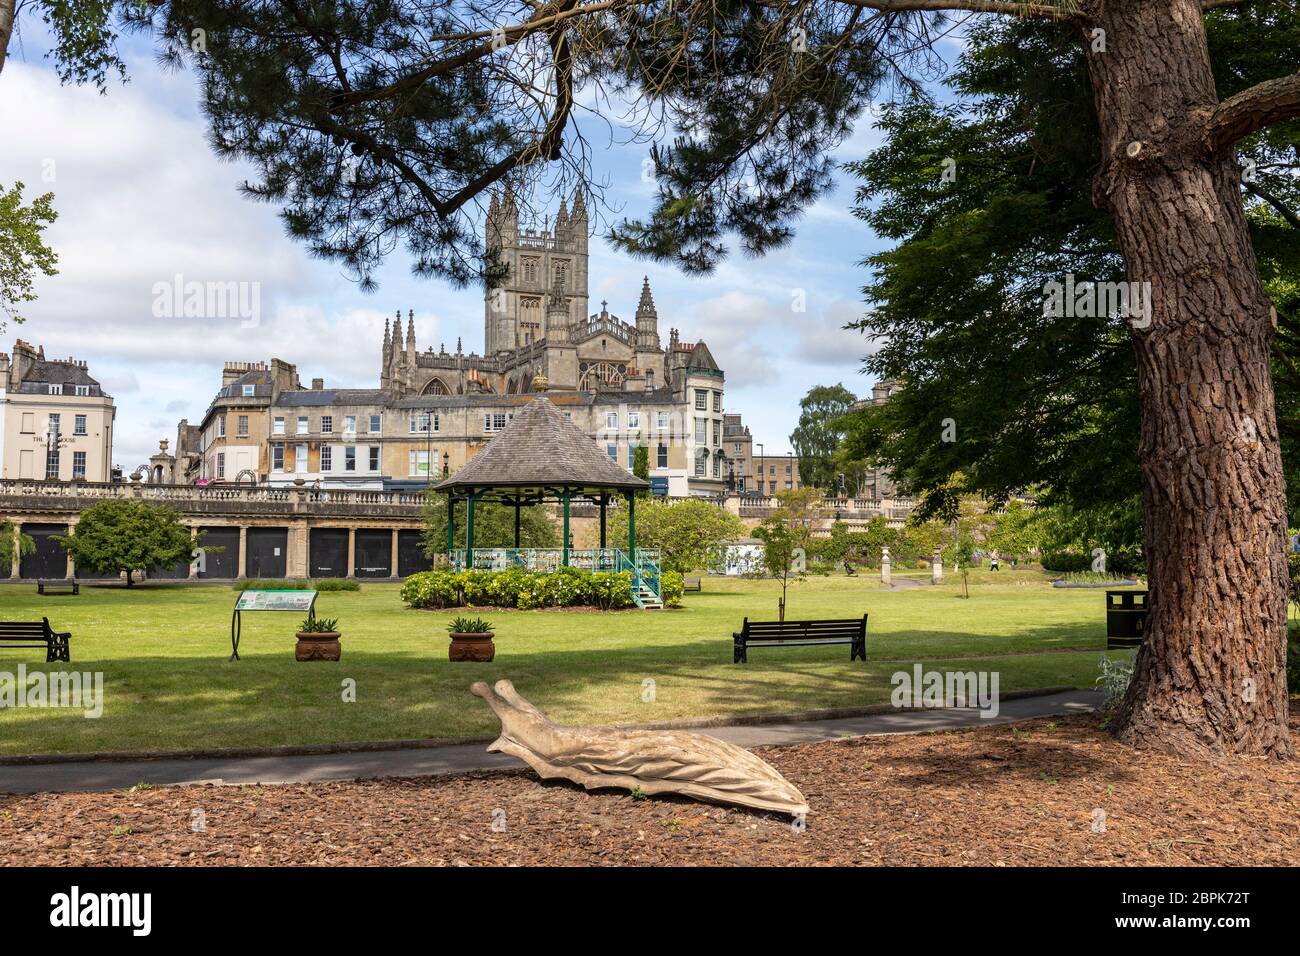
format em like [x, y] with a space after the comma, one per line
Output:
[297, 584]
[526, 590]
[671, 588]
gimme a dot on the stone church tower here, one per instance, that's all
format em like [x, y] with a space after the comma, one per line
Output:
[518, 312]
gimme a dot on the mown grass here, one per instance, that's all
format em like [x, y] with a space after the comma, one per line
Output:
[163, 652]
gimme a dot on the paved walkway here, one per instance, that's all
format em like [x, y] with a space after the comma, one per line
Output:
[420, 762]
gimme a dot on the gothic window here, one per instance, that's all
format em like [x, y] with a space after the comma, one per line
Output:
[436, 387]
[528, 270]
[601, 375]
[562, 274]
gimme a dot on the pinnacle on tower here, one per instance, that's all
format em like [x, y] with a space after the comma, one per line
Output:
[562, 217]
[410, 328]
[579, 204]
[646, 307]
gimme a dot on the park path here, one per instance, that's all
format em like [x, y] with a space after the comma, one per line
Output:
[92, 775]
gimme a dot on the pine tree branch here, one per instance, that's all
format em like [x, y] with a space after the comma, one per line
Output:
[1285, 211]
[1043, 11]
[1249, 111]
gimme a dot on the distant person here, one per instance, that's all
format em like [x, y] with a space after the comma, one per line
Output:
[993, 562]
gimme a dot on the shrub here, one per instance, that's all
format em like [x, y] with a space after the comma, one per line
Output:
[526, 590]
[298, 584]
[437, 588]
[671, 588]
[1114, 680]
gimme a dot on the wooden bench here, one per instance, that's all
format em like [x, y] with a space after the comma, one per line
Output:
[36, 634]
[800, 634]
[693, 584]
[68, 586]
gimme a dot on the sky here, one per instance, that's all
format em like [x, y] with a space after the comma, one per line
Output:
[142, 200]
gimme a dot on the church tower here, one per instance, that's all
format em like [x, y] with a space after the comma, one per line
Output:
[517, 313]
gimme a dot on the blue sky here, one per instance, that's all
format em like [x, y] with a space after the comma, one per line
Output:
[141, 199]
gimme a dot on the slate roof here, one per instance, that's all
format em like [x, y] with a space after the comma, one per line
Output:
[44, 373]
[542, 448]
[315, 397]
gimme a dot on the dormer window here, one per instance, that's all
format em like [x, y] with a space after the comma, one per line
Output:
[83, 389]
[56, 389]
[249, 390]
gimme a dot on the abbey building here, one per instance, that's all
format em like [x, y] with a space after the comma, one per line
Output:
[434, 409]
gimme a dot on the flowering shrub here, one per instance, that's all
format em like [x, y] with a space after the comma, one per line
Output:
[526, 590]
[671, 588]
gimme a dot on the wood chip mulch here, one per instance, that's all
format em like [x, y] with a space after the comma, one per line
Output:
[1036, 793]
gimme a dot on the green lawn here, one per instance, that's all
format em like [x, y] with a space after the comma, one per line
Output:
[168, 684]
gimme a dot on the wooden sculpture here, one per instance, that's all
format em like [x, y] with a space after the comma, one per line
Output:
[655, 761]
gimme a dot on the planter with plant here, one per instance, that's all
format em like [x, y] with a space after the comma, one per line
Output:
[317, 639]
[471, 640]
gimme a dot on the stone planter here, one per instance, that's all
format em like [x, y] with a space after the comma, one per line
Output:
[472, 647]
[323, 646]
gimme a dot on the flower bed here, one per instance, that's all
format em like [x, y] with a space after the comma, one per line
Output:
[526, 590]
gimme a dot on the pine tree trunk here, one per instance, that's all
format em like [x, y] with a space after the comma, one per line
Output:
[1211, 674]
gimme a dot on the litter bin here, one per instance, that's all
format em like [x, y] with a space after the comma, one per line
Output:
[1126, 619]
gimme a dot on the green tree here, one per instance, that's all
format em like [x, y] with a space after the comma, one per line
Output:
[816, 438]
[13, 544]
[1015, 535]
[494, 525]
[23, 252]
[83, 34]
[688, 532]
[119, 535]
[787, 536]
[440, 103]
[641, 460]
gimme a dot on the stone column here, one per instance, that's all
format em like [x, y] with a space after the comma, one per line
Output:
[194, 561]
[296, 563]
[243, 552]
[884, 567]
[17, 555]
[352, 552]
[936, 566]
[70, 569]
[392, 568]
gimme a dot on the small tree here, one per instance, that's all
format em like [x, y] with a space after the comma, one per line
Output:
[641, 461]
[786, 534]
[494, 525]
[130, 536]
[13, 544]
[688, 533]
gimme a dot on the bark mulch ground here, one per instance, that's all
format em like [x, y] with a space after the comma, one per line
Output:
[1044, 792]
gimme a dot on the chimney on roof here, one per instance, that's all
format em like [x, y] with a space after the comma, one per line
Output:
[317, 384]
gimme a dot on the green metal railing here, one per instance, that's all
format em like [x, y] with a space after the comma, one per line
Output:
[645, 569]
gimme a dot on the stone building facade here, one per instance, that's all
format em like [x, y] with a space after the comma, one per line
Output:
[56, 422]
[434, 410]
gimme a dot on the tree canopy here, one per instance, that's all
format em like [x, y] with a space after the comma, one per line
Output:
[23, 252]
[957, 304]
[116, 535]
[817, 436]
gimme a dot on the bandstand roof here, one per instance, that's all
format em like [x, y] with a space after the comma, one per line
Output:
[541, 451]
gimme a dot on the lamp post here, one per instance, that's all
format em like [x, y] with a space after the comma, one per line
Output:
[53, 440]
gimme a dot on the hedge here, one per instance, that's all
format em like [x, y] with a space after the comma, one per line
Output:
[518, 588]
[297, 584]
